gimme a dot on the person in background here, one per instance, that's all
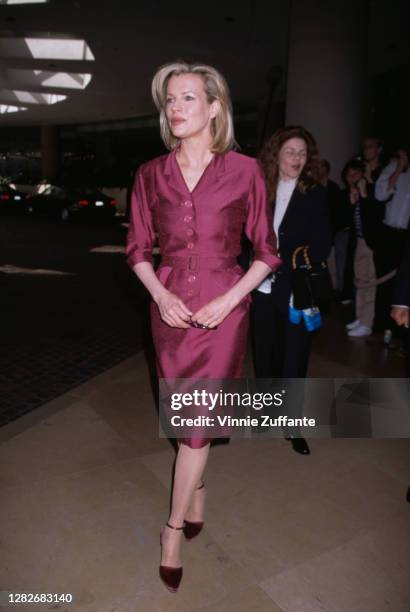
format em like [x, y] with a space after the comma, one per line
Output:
[300, 217]
[339, 216]
[400, 311]
[365, 222]
[332, 188]
[393, 188]
[372, 149]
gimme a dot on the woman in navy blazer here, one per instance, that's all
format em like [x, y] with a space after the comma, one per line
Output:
[290, 162]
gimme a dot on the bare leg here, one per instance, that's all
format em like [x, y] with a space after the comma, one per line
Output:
[189, 467]
[196, 509]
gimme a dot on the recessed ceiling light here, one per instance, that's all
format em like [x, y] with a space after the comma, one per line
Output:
[46, 48]
[24, 1]
[30, 97]
[48, 78]
[8, 108]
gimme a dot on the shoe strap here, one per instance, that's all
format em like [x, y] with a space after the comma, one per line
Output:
[172, 527]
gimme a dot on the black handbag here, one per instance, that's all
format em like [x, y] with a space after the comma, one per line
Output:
[311, 285]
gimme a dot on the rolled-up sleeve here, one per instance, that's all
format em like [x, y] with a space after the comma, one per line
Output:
[141, 232]
[258, 225]
[382, 191]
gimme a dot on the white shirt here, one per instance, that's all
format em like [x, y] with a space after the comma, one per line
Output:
[398, 208]
[283, 194]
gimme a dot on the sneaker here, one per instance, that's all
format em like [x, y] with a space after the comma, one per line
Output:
[360, 331]
[353, 324]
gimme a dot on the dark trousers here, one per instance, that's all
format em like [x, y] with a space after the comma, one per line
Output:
[389, 253]
[384, 293]
[281, 350]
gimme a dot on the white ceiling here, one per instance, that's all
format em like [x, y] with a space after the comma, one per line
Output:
[123, 42]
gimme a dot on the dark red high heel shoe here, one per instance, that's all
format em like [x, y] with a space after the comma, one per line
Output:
[193, 528]
[170, 576]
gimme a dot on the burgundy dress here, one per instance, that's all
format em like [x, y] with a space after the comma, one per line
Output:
[199, 235]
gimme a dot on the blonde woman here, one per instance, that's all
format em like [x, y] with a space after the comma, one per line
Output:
[197, 199]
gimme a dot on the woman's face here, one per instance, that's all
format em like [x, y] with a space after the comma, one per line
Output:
[292, 158]
[353, 176]
[187, 109]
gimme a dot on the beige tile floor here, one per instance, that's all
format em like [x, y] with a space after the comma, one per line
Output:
[85, 487]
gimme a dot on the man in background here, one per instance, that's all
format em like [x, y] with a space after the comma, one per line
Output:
[393, 188]
[372, 149]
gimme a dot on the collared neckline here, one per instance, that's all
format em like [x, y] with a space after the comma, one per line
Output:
[213, 170]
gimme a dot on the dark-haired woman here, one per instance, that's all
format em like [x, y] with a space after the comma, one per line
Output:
[300, 217]
[366, 216]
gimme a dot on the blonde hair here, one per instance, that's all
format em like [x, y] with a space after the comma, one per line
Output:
[216, 88]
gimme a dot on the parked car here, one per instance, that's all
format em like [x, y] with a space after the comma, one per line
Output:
[72, 204]
[12, 201]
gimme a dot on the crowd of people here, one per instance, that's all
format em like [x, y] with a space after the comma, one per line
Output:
[370, 219]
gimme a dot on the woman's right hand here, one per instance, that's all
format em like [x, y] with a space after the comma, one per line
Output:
[354, 195]
[173, 310]
[362, 187]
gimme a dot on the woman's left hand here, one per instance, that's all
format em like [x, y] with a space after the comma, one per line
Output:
[362, 185]
[213, 313]
[354, 195]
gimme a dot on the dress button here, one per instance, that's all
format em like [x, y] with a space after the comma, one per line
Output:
[188, 203]
[191, 278]
[191, 292]
[187, 218]
[190, 245]
[190, 232]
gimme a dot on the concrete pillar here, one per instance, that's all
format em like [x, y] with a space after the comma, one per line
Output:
[49, 152]
[326, 84]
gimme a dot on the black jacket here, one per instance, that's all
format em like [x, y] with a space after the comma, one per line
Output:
[306, 222]
[339, 209]
[371, 217]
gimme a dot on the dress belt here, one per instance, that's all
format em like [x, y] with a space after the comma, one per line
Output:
[197, 262]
